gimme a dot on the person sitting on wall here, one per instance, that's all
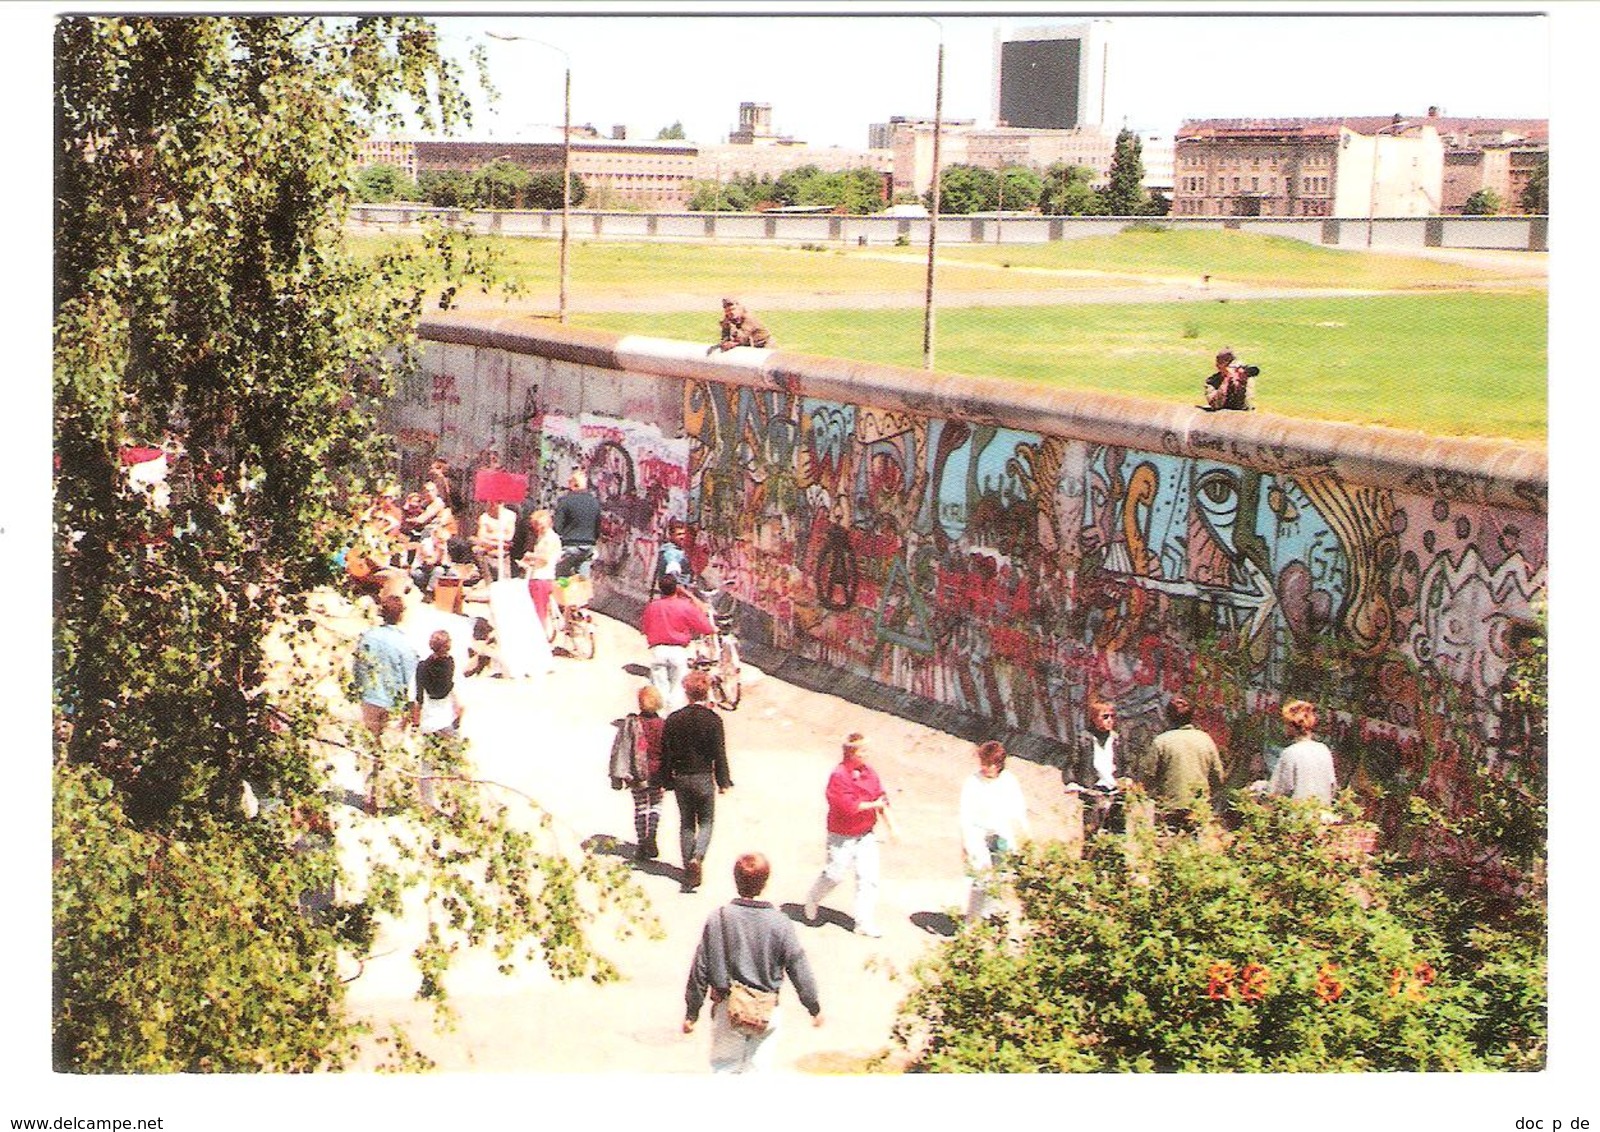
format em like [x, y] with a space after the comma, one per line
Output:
[1232, 385]
[741, 328]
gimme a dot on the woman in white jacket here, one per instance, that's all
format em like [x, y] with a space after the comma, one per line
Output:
[994, 819]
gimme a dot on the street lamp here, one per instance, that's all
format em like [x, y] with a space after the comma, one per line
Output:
[566, 155]
[933, 220]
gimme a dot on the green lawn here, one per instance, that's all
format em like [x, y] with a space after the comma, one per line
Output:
[1409, 361]
[1450, 356]
[1128, 258]
[1237, 257]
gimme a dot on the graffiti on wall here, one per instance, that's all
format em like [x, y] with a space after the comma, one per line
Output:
[1015, 575]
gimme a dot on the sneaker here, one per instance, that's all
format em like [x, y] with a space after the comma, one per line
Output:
[691, 875]
[812, 911]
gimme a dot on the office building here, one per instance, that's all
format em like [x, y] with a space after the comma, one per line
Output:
[1052, 78]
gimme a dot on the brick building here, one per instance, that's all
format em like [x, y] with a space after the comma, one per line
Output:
[1349, 167]
[617, 173]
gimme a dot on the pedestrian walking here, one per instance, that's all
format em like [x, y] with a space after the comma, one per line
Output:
[856, 799]
[694, 766]
[1182, 766]
[669, 623]
[1305, 768]
[436, 711]
[747, 948]
[636, 764]
[384, 669]
[994, 820]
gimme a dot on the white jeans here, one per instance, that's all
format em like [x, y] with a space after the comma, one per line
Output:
[668, 664]
[736, 1052]
[847, 854]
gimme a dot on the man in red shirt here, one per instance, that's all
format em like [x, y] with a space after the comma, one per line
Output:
[855, 799]
[669, 623]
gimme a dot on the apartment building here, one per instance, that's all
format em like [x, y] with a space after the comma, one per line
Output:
[1500, 154]
[1350, 167]
[617, 173]
[1307, 167]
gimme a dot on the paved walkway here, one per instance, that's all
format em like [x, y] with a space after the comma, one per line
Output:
[550, 738]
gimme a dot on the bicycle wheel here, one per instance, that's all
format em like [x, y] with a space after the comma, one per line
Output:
[555, 620]
[581, 632]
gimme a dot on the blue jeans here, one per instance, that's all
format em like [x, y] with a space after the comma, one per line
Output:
[735, 1052]
[697, 808]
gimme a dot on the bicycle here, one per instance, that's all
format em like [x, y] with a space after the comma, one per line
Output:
[718, 656]
[570, 619]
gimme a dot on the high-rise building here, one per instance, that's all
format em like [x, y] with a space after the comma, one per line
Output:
[1052, 78]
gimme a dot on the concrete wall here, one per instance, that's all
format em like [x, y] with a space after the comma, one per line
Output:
[1005, 552]
[1513, 232]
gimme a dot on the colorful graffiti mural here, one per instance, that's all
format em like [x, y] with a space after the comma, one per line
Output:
[1014, 574]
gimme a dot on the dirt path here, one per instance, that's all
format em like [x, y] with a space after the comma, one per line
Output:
[550, 737]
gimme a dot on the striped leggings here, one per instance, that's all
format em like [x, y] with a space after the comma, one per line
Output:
[646, 812]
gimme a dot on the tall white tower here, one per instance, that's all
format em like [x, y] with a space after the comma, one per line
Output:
[1052, 78]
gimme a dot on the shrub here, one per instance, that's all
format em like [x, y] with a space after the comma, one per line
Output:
[1273, 951]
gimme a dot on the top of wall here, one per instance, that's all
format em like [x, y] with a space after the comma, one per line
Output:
[1497, 472]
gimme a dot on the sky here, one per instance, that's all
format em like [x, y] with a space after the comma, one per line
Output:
[827, 77]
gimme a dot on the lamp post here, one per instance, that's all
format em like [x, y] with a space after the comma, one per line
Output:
[933, 220]
[1000, 206]
[566, 156]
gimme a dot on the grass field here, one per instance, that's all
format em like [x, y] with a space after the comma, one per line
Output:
[1443, 348]
[1238, 257]
[1453, 364]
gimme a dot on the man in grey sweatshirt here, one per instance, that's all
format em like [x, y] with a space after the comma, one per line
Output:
[750, 942]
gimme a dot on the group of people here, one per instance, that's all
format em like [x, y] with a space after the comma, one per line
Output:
[748, 948]
[397, 687]
[1183, 768]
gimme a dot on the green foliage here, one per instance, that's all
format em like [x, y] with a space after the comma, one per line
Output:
[1484, 202]
[1124, 193]
[543, 190]
[673, 132]
[379, 184]
[205, 302]
[856, 191]
[446, 188]
[1273, 951]
[188, 955]
[1067, 191]
[965, 189]
[503, 184]
[1535, 198]
[1017, 189]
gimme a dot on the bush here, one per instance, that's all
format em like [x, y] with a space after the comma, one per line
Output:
[1276, 952]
